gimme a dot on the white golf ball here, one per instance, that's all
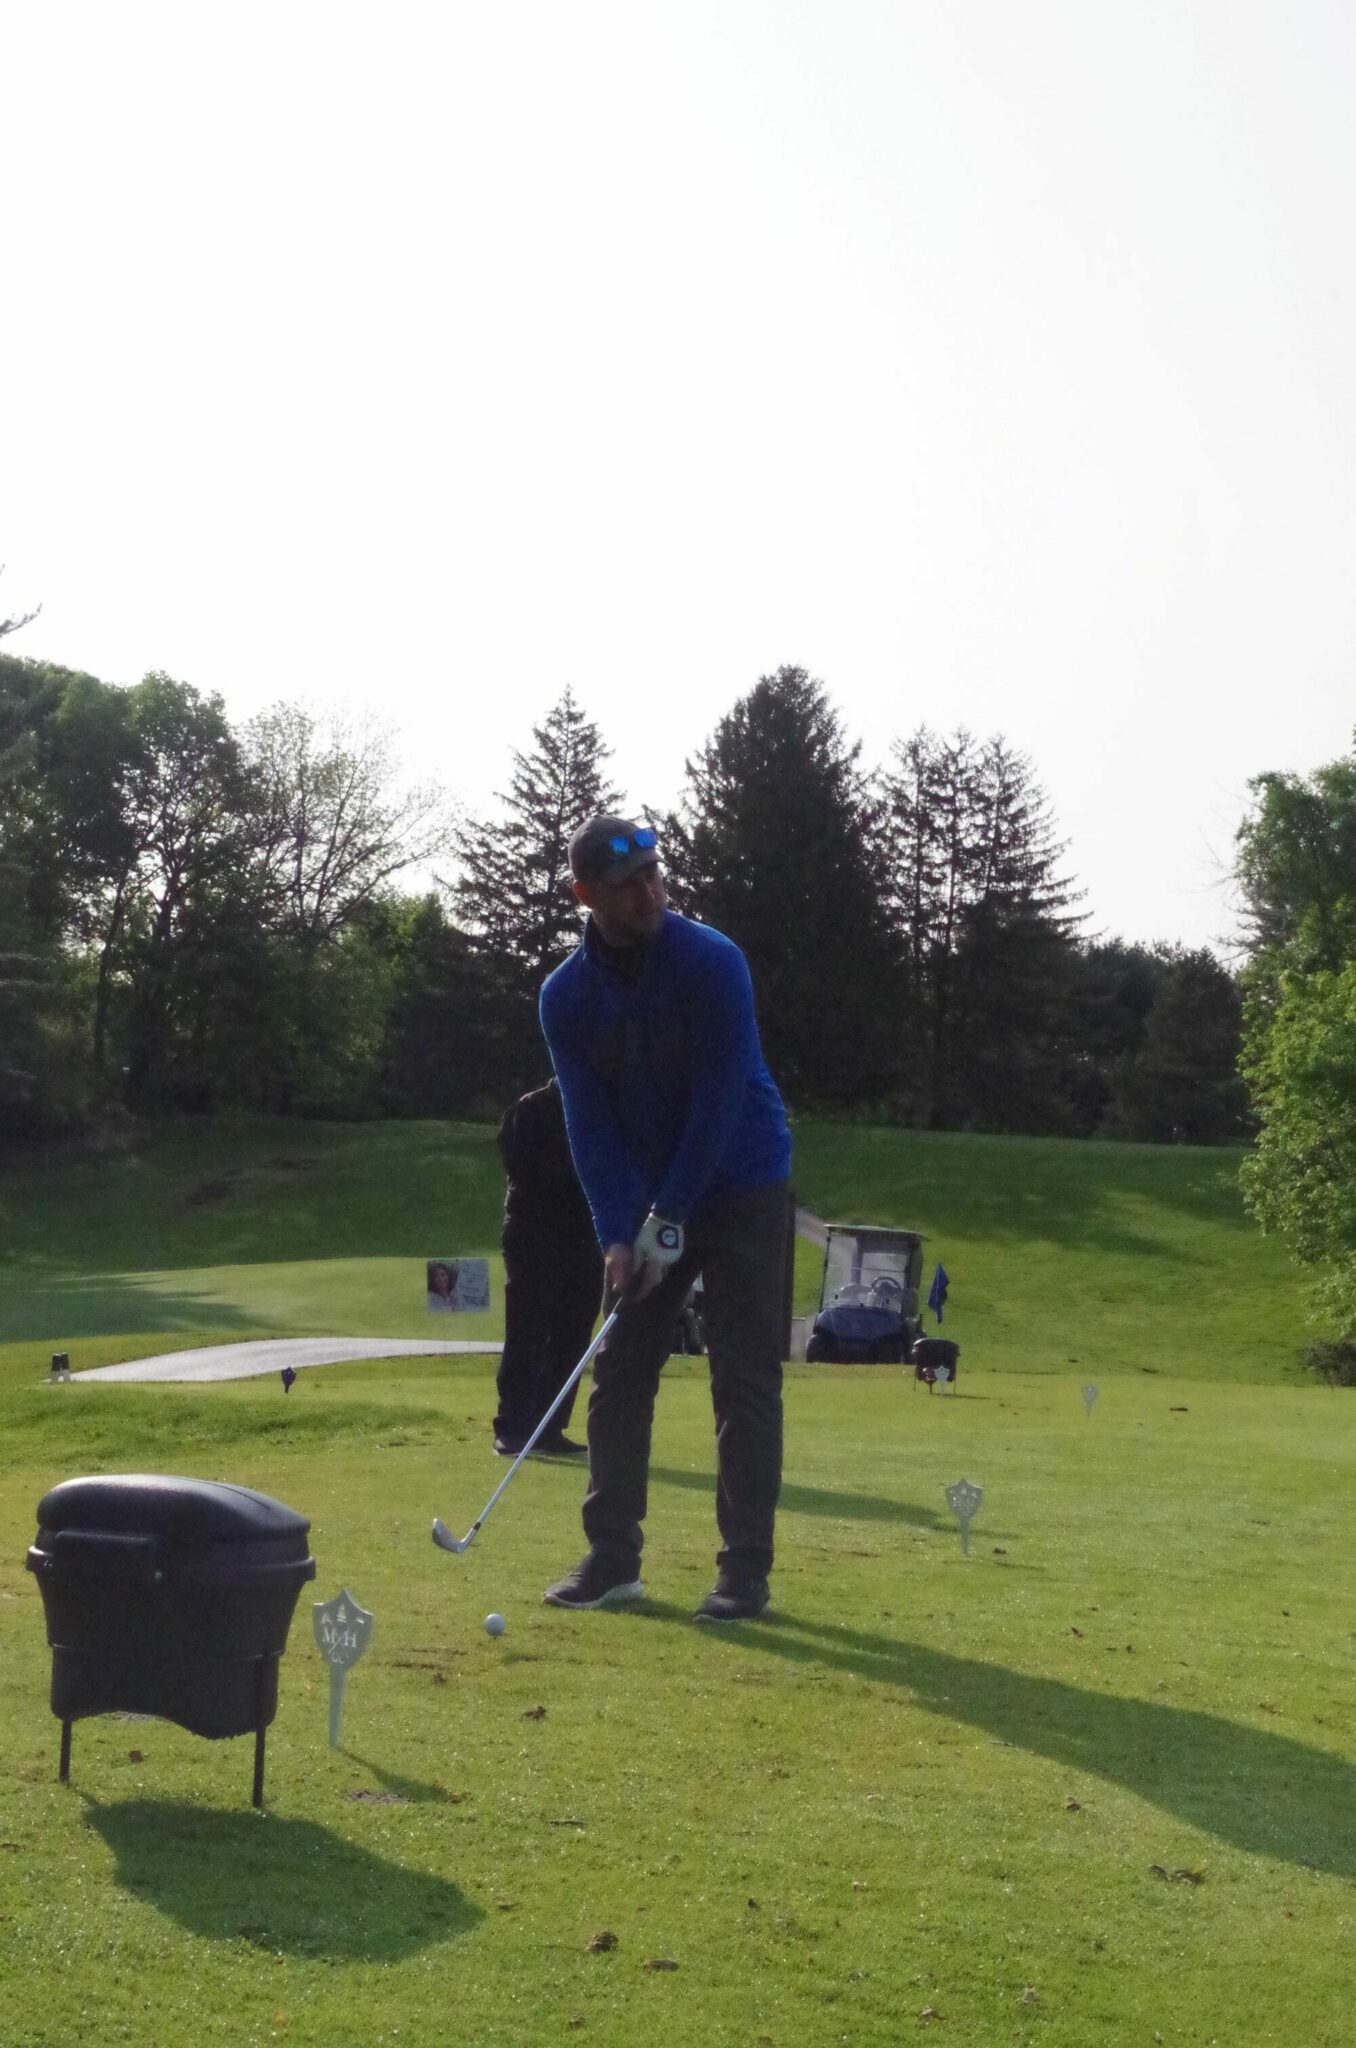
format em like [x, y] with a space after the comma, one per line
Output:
[495, 1624]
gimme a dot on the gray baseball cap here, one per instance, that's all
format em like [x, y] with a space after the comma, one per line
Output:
[609, 849]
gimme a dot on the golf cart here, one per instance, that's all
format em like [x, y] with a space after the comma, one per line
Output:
[868, 1298]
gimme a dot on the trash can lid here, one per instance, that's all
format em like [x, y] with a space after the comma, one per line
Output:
[158, 1503]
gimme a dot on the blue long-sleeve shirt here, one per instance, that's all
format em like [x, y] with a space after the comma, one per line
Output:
[668, 1099]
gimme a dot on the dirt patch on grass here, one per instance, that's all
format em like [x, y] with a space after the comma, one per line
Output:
[207, 1194]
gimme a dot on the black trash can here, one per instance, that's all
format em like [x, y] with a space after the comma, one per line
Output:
[931, 1354]
[170, 1597]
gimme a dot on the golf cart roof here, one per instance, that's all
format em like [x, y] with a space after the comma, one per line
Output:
[874, 1236]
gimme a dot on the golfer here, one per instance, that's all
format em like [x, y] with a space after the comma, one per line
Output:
[682, 1146]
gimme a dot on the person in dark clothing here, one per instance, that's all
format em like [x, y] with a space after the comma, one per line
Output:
[553, 1275]
[682, 1145]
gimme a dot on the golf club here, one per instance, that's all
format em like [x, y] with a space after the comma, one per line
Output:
[442, 1535]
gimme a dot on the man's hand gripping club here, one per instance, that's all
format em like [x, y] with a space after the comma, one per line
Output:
[635, 1270]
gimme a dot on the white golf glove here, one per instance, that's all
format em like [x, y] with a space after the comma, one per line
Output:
[658, 1246]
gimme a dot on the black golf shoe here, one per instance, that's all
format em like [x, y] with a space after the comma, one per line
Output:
[596, 1582]
[732, 1599]
[558, 1446]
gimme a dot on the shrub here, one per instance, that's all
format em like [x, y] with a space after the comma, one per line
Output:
[1333, 1361]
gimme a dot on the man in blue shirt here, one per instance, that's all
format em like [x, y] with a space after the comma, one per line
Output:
[682, 1145]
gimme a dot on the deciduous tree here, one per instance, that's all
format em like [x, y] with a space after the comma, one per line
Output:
[1297, 874]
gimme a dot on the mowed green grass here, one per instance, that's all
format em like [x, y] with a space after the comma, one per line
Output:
[924, 1782]
[1092, 1784]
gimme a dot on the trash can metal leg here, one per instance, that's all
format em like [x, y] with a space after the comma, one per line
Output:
[64, 1772]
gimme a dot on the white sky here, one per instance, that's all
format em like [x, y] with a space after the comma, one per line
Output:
[993, 361]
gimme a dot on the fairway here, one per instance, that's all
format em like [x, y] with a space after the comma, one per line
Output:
[1092, 1784]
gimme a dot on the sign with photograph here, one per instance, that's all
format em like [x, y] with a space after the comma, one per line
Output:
[458, 1284]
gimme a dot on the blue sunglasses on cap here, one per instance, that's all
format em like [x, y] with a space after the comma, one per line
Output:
[644, 841]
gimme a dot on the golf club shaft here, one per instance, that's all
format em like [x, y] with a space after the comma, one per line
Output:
[537, 1433]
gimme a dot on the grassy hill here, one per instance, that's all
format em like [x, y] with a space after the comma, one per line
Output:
[1064, 1257]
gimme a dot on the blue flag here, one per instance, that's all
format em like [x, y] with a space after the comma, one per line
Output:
[937, 1292]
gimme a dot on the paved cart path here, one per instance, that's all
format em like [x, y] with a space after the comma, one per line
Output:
[271, 1354]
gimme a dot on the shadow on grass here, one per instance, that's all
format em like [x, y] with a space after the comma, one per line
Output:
[418, 1791]
[77, 1305]
[1266, 1794]
[817, 1500]
[286, 1885]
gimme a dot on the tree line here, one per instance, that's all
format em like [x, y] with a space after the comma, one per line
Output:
[197, 915]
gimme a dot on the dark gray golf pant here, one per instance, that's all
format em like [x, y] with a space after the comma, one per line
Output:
[737, 1242]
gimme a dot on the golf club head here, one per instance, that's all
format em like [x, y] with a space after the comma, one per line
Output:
[445, 1540]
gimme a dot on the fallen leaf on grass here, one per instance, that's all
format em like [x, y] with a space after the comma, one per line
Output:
[577, 2021]
[601, 1943]
[1030, 1995]
[999, 1551]
[534, 1714]
[506, 1905]
[566, 1820]
[369, 1798]
[930, 2012]
[136, 1756]
[1182, 1876]
[660, 1963]
[1075, 1632]
[1177, 1411]
[1073, 1806]
[752, 1904]
[1265, 1707]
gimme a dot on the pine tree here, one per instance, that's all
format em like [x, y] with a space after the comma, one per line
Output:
[512, 897]
[773, 843]
[983, 917]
